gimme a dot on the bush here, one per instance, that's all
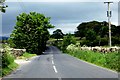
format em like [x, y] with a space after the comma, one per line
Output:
[7, 57]
[8, 64]
[9, 69]
[67, 40]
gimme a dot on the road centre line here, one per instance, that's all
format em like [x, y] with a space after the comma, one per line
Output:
[52, 62]
[55, 69]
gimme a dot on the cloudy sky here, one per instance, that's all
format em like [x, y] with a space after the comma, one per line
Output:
[65, 15]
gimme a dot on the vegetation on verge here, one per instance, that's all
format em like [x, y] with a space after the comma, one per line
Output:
[7, 70]
[26, 55]
[8, 63]
[109, 60]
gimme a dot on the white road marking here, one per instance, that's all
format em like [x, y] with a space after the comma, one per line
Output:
[55, 69]
[52, 62]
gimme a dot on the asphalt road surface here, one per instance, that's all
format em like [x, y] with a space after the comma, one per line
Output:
[54, 64]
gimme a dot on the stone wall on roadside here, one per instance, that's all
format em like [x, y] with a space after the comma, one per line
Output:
[18, 52]
[102, 49]
[15, 52]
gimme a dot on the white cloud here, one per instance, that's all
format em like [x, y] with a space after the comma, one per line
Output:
[114, 23]
[66, 28]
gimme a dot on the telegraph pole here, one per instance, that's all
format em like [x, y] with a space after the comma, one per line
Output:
[109, 22]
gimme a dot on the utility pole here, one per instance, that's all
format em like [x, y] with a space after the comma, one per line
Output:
[109, 23]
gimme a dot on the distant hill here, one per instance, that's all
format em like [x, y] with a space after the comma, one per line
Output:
[3, 38]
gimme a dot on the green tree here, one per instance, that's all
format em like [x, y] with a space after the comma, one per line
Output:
[90, 35]
[57, 34]
[2, 6]
[67, 40]
[96, 33]
[31, 32]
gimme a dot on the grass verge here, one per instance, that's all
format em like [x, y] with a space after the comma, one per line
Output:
[11, 67]
[7, 70]
[109, 60]
[26, 55]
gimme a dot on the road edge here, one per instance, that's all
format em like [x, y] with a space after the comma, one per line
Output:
[94, 64]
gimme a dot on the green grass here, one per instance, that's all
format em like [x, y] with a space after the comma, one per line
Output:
[7, 70]
[26, 55]
[109, 60]
[12, 66]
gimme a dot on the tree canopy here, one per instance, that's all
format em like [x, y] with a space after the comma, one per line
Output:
[2, 6]
[31, 32]
[96, 33]
[57, 34]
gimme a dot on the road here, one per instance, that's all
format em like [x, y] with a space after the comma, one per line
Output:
[55, 65]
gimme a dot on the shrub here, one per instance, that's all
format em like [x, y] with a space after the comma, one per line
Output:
[8, 64]
[9, 69]
[7, 57]
[67, 40]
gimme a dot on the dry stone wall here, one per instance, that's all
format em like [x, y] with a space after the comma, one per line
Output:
[102, 49]
[15, 52]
